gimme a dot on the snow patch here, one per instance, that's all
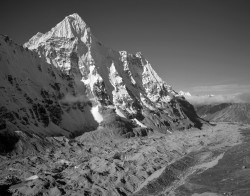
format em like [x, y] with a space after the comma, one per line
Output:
[96, 114]
[32, 178]
[119, 113]
[139, 123]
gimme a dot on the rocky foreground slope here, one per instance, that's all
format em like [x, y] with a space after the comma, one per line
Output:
[97, 163]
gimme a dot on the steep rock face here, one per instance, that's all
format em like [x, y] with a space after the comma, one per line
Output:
[33, 97]
[119, 80]
[225, 112]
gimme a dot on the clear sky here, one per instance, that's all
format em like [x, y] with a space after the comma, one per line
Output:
[200, 46]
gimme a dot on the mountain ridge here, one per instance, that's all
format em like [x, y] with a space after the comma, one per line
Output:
[71, 85]
[122, 78]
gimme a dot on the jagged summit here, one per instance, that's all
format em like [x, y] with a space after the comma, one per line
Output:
[71, 27]
[76, 17]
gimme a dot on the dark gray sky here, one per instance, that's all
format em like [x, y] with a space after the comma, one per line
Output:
[201, 46]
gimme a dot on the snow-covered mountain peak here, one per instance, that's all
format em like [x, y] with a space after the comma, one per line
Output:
[122, 80]
[119, 76]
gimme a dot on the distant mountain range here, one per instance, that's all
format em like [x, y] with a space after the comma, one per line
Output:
[220, 108]
[225, 112]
